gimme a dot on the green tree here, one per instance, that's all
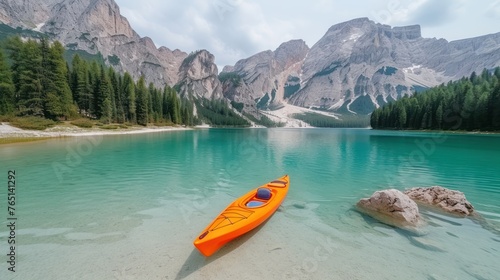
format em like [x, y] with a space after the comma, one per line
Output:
[165, 104]
[374, 119]
[7, 100]
[439, 116]
[113, 84]
[80, 85]
[401, 117]
[494, 108]
[59, 99]
[468, 108]
[129, 98]
[173, 107]
[27, 61]
[142, 102]
[157, 104]
[481, 111]
[151, 93]
[104, 113]
[94, 75]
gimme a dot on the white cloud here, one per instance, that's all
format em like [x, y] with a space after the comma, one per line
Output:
[434, 13]
[493, 10]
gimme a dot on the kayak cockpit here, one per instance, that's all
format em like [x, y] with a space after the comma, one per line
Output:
[262, 196]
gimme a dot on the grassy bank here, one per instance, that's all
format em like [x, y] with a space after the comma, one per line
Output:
[11, 140]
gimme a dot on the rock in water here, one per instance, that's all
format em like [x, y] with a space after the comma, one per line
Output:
[450, 201]
[391, 207]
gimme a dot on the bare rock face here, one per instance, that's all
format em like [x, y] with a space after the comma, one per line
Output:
[391, 207]
[267, 76]
[25, 13]
[198, 76]
[450, 201]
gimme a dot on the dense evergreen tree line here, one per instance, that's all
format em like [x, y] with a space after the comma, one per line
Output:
[345, 121]
[264, 120]
[39, 82]
[218, 113]
[468, 104]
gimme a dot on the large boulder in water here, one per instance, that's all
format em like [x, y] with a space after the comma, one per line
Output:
[450, 201]
[392, 207]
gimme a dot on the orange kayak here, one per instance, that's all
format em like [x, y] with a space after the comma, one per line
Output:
[243, 215]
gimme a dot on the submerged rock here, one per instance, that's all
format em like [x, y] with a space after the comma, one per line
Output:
[450, 201]
[391, 207]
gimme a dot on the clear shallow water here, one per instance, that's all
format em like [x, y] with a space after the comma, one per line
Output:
[129, 207]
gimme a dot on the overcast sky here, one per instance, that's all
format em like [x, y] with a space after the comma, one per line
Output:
[237, 29]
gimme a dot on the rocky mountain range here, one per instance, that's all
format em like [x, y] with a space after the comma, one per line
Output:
[359, 65]
[96, 26]
[355, 67]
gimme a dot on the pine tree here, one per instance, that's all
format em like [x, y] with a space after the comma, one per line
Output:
[481, 112]
[151, 92]
[468, 108]
[73, 77]
[165, 104]
[157, 104]
[82, 91]
[497, 72]
[129, 97]
[94, 75]
[59, 100]
[439, 116]
[120, 110]
[142, 102]
[495, 108]
[28, 64]
[7, 100]
[14, 46]
[374, 118]
[113, 84]
[401, 123]
[105, 112]
[174, 104]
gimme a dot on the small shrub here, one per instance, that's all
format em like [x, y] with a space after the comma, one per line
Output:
[6, 118]
[164, 123]
[35, 123]
[83, 123]
[109, 126]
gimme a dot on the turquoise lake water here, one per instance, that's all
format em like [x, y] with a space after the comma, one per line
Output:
[130, 206]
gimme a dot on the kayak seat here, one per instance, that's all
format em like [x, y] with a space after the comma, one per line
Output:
[263, 193]
[254, 203]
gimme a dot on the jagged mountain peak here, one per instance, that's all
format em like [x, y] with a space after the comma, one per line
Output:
[199, 65]
[98, 18]
[198, 76]
[291, 46]
[290, 52]
[357, 22]
[361, 26]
